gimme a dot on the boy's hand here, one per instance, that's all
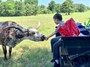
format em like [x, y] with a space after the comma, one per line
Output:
[46, 38]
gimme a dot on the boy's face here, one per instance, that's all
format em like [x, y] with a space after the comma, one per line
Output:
[56, 21]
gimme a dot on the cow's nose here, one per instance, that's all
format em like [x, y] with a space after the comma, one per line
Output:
[43, 38]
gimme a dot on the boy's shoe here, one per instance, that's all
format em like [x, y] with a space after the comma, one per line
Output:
[56, 65]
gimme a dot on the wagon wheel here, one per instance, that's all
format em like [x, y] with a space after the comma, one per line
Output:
[64, 56]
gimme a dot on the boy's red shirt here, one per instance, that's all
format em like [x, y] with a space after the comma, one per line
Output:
[69, 28]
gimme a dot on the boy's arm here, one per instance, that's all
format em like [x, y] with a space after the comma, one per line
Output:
[52, 34]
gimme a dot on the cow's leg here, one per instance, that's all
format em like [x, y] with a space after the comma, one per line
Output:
[10, 51]
[5, 52]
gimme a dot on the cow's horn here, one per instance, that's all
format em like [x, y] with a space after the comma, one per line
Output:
[38, 25]
[16, 27]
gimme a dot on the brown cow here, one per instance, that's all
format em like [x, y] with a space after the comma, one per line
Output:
[11, 34]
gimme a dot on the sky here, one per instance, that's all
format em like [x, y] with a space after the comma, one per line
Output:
[46, 2]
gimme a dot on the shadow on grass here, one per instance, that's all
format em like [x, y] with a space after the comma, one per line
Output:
[36, 57]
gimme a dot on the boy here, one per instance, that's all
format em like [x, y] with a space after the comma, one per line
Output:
[58, 21]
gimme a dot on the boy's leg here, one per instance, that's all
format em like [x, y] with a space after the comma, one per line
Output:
[53, 41]
[56, 54]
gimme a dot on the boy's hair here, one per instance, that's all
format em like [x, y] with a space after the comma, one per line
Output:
[58, 16]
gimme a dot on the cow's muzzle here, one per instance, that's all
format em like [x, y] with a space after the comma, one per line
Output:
[43, 38]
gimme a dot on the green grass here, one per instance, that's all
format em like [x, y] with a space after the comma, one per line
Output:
[36, 54]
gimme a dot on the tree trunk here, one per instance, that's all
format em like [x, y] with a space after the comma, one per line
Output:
[68, 13]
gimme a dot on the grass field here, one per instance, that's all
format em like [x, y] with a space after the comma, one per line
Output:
[36, 54]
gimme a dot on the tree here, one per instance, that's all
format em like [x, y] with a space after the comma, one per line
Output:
[58, 8]
[10, 8]
[31, 7]
[19, 8]
[28, 9]
[0, 1]
[52, 6]
[81, 8]
[32, 2]
[88, 8]
[67, 7]
[41, 9]
[7, 8]
[10, 1]
[1, 8]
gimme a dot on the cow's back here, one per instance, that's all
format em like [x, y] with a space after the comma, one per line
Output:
[3, 31]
